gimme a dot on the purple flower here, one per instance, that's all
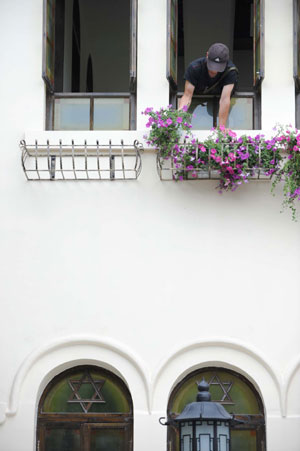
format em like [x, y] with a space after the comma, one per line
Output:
[179, 120]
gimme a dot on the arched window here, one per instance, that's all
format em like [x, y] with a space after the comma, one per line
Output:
[236, 394]
[84, 409]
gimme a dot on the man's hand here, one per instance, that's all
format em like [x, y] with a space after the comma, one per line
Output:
[186, 99]
[225, 104]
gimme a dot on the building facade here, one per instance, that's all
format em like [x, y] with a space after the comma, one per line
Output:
[119, 295]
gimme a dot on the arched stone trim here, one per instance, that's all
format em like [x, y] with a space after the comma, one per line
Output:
[288, 381]
[61, 354]
[237, 356]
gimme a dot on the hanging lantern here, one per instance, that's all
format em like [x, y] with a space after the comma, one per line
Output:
[204, 425]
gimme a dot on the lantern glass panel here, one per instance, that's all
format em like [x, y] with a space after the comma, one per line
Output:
[186, 437]
[223, 437]
[222, 443]
[204, 435]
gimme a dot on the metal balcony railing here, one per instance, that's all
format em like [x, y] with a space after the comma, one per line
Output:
[81, 161]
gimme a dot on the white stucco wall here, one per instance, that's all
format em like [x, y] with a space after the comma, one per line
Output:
[150, 278]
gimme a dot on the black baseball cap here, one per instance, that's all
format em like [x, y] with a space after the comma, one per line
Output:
[217, 57]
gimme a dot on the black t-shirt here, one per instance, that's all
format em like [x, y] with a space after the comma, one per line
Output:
[197, 74]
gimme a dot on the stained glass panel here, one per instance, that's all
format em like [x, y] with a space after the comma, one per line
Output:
[228, 389]
[59, 439]
[87, 392]
[243, 440]
[107, 439]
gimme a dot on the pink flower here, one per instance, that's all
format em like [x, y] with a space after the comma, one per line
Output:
[179, 120]
[231, 133]
[148, 110]
[213, 151]
[222, 128]
[202, 148]
[169, 121]
[218, 159]
[184, 108]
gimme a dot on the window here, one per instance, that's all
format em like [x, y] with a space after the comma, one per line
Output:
[89, 64]
[192, 27]
[84, 409]
[236, 394]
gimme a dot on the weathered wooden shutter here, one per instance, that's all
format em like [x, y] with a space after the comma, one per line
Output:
[172, 43]
[49, 44]
[258, 43]
[133, 46]
[297, 44]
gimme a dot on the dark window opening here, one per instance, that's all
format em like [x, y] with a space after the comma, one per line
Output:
[200, 24]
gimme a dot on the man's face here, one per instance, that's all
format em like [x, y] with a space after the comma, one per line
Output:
[212, 73]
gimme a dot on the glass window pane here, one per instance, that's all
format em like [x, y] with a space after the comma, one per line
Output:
[241, 114]
[72, 114]
[87, 391]
[107, 439]
[243, 440]
[111, 114]
[202, 111]
[62, 440]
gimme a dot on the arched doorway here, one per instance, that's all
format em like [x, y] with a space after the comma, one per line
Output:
[85, 408]
[236, 394]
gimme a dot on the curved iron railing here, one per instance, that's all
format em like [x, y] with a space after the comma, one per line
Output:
[81, 161]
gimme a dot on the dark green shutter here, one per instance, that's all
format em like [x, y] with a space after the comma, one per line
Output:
[49, 44]
[133, 46]
[297, 44]
[258, 43]
[172, 43]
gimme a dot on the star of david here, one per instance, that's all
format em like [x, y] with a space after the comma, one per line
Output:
[75, 387]
[225, 387]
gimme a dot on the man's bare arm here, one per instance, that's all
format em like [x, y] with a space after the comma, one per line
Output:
[186, 99]
[224, 105]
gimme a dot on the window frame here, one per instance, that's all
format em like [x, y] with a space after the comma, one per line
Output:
[51, 94]
[84, 421]
[258, 76]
